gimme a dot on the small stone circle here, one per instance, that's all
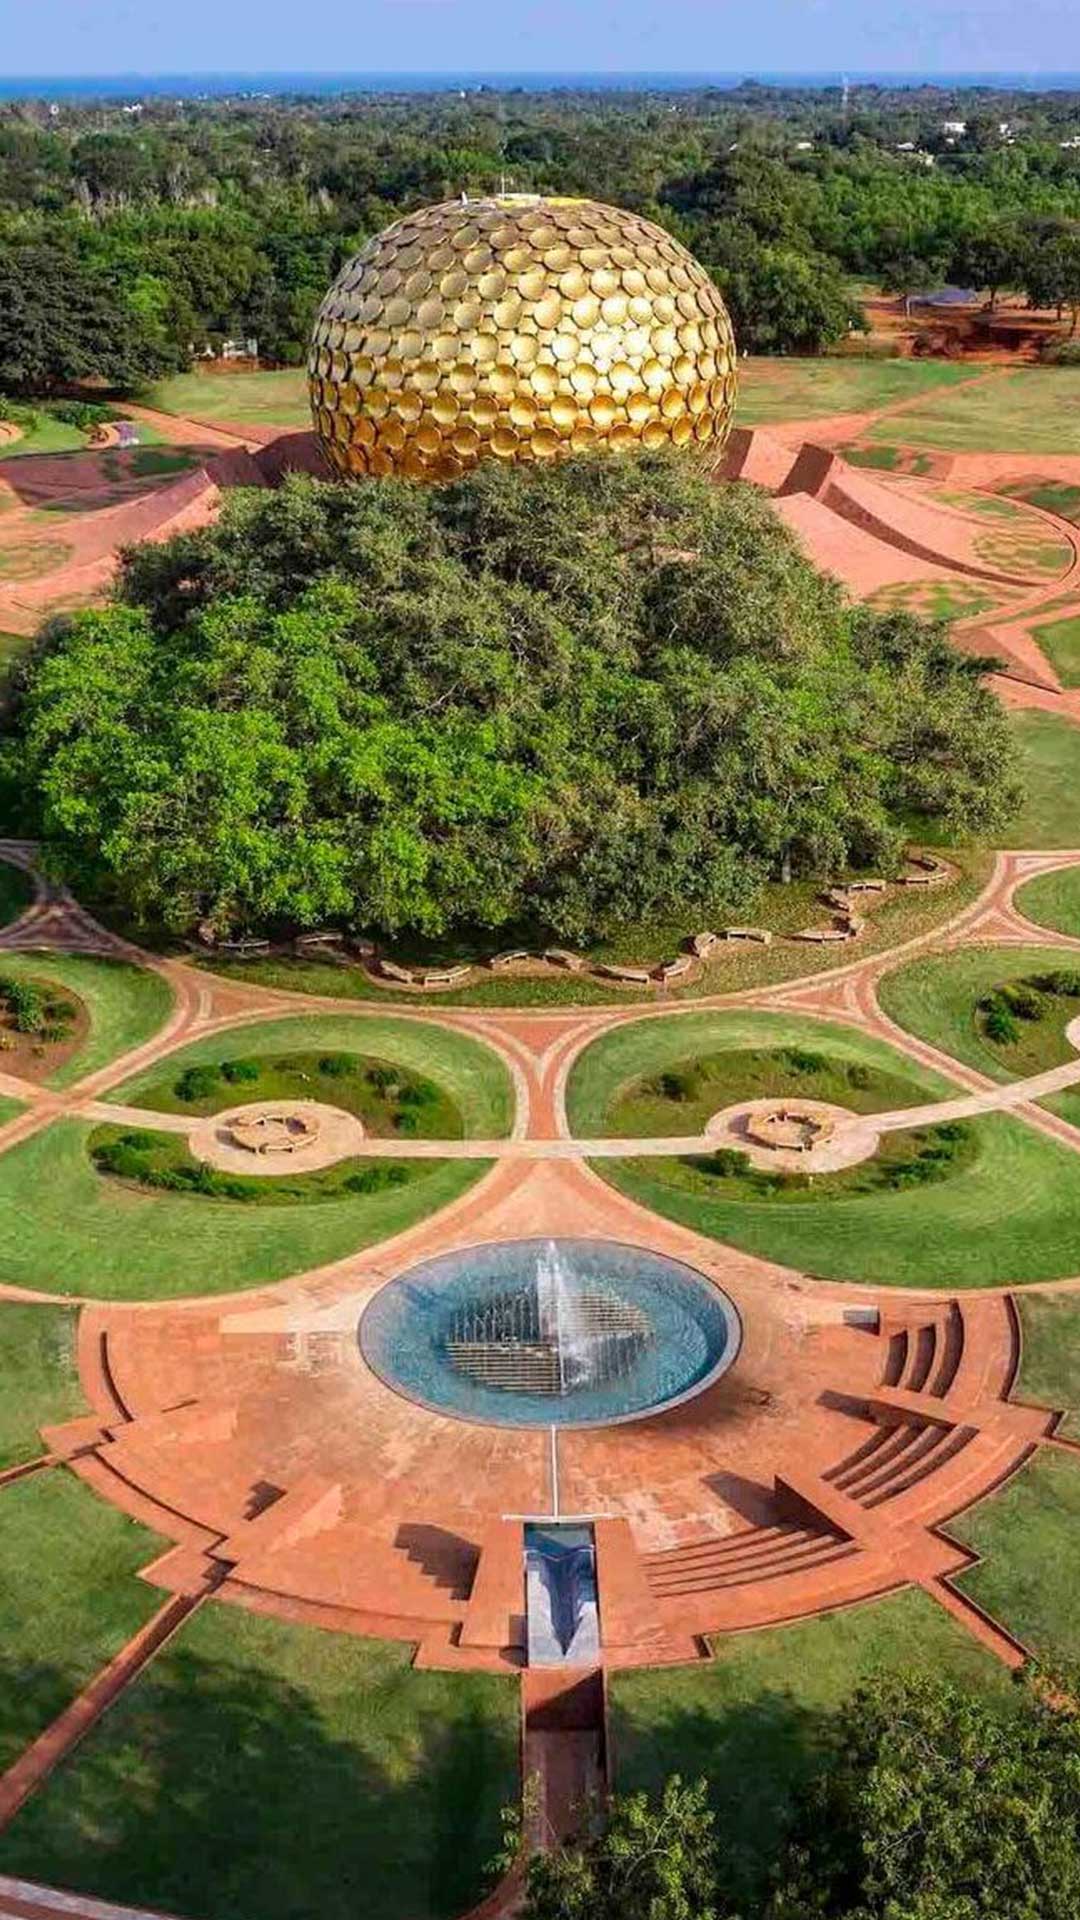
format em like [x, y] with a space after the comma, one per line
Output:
[795, 1136]
[269, 1138]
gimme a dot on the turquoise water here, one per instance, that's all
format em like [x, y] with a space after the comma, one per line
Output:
[692, 1331]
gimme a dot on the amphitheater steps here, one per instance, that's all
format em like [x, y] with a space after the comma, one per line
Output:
[765, 1554]
[933, 1448]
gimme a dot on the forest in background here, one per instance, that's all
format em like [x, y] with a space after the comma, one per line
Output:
[135, 235]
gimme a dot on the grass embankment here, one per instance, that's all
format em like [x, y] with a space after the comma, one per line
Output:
[1005, 1212]
[65, 1229]
[998, 1203]
[39, 1380]
[258, 1771]
[756, 1720]
[1029, 1537]
[126, 1004]
[69, 1598]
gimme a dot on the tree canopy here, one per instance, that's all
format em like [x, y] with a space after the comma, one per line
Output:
[589, 696]
[931, 1802]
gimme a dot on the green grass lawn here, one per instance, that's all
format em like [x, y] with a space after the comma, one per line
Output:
[49, 436]
[386, 1097]
[69, 1597]
[39, 1380]
[1029, 1537]
[603, 1093]
[1006, 1213]
[126, 1004]
[141, 1159]
[1053, 900]
[792, 389]
[1050, 1359]
[756, 1720]
[936, 998]
[1060, 641]
[472, 1075]
[259, 1771]
[681, 1098]
[1028, 410]
[67, 1229]
[1050, 755]
[262, 399]
[16, 893]
[1005, 1209]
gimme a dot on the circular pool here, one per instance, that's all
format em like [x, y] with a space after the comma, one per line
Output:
[536, 1333]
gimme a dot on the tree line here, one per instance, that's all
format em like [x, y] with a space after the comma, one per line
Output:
[130, 240]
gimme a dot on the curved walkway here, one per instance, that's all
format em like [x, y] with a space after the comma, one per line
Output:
[822, 1470]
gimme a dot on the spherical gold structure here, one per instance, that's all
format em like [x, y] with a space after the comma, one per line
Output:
[523, 328]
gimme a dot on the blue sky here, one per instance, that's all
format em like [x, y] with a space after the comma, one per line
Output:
[109, 36]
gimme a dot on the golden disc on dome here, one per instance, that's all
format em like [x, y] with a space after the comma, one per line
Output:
[521, 327]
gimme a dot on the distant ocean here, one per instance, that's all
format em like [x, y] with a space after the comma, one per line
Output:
[194, 86]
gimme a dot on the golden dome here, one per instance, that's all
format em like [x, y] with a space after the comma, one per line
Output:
[520, 327]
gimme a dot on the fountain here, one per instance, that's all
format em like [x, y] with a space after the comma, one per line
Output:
[560, 1593]
[543, 1332]
[561, 1321]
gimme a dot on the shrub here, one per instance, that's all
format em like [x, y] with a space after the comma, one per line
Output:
[384, 1079]
[376, 1178]
[1023, 999]
[418, 1093]
[998, 1022]
[800, 1060]
[140, 1139]
[125, 1162]
[1063, 982]
[729, 1161]
[27, 1004]
[197, 1083]
[672, 1085]
[406, 1120]
[83, 414]
[235, 1071]
[336, 1065]
[859, 1076]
